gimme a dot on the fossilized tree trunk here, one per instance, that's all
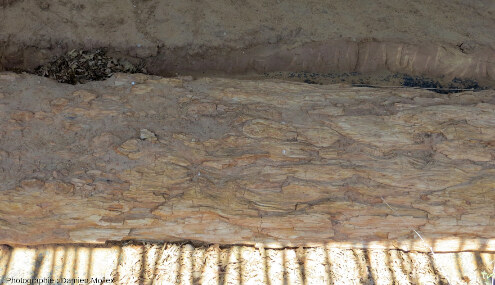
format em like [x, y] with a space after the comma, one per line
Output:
[228, 161]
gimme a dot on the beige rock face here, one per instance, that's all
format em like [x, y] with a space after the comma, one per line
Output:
[245, 162]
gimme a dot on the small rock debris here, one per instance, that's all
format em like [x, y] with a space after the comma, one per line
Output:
[81, 66]
[147, 135]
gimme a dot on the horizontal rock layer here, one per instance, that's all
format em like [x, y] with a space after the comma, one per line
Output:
[434, 60]
[245, 162]
[441, 39]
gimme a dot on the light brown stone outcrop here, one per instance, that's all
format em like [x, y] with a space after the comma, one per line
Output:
[245, 162]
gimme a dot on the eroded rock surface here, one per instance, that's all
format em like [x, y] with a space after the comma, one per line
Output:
[244, 162]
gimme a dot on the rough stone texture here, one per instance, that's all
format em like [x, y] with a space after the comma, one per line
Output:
[245, 162]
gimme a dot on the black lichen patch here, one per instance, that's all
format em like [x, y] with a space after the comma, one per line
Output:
[309, 81]
[382, 79]
[465, 84]
[409, 81]
[455, 86]
[79, 66]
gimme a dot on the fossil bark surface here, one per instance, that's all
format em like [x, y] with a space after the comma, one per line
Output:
[245, 162]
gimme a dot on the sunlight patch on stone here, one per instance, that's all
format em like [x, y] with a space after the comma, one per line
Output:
[292, 267]
[233, 270]
[275, 266]
[316, 266]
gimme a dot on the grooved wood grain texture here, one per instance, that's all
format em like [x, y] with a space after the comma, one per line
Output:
[244, 162]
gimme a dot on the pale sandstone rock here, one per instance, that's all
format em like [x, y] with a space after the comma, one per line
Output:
[22, 116]
[146, 134]
[243, 162]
